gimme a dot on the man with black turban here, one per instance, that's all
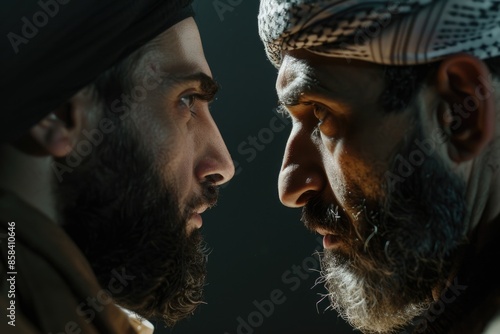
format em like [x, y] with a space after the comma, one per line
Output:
[108, 158]
[394, 154]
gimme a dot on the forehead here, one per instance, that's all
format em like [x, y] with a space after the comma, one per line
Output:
[179, 50]
[303, 72]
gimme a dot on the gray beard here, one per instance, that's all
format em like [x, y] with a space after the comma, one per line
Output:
[402, 250]
[366, 305]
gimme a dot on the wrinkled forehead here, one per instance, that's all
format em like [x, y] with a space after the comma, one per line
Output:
[294, 69]
[303, 72]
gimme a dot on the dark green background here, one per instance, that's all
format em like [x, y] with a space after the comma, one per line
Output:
[254, 239]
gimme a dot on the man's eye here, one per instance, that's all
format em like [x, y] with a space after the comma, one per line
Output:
[329, 125]
[188, 101]
[320, 112]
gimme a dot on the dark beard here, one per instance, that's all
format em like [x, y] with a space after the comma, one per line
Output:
[399, 250]
[119, 211]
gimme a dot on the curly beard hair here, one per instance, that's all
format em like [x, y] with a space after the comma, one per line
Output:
[399, 250]
[123, 216]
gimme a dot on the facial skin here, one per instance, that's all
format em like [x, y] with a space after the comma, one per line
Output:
[135, 203]
[390, 242]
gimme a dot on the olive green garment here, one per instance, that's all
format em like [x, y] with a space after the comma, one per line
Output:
[53, 280]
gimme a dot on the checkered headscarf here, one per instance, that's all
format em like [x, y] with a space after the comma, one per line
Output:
[404, 32]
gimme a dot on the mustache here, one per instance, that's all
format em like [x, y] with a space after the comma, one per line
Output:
[209, 197]
[317, 214]
[210, 193]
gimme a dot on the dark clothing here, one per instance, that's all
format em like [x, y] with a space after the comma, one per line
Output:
[472, 301]
[50, 49]
[55, 288]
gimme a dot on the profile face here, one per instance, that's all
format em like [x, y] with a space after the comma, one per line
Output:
[175, 123]
[135, 204]
[388, 237]
[341, 140]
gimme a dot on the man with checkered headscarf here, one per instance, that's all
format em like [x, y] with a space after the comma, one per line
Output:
[109, 156]
[394, 154]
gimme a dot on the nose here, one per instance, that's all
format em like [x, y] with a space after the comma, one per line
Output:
[301, 176]
[215, 163]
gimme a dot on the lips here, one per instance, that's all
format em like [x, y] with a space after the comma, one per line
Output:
[201, 209]
[330, 241]
[195, 220]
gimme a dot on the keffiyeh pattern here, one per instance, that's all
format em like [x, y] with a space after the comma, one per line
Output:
[405, 32]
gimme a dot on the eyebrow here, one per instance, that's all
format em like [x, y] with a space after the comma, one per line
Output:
[293, 93]
[312, 87]
[208, 86]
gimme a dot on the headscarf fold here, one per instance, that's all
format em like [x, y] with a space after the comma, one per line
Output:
[50, 49]
[406, 32]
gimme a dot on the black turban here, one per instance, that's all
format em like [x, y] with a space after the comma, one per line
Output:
[51, 49]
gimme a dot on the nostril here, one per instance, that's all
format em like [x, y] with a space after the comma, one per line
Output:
[214, 178]
[306, 196]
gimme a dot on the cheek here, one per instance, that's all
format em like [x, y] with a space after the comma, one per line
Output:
[353, 177]
[336, 168]
[178, 167]
[184, 182]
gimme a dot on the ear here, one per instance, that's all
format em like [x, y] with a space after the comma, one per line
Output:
[464, 83]
[57, 134]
